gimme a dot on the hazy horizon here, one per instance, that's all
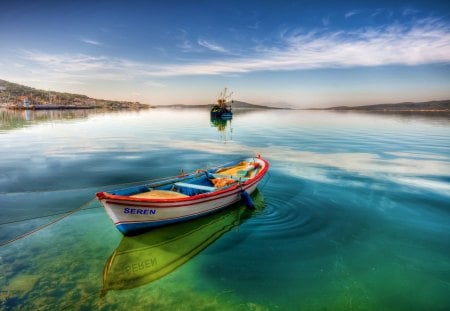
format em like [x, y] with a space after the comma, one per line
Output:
[297, 54]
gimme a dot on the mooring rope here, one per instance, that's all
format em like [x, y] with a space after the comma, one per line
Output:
[64, 215]
[46, 225]
[87, 188]
[43, 216]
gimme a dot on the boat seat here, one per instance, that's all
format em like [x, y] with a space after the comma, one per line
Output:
[193, 186]
[242, 169]
[159, 194]
[228, 176]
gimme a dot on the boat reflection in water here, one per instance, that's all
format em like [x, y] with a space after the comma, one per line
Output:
[223, 127]
[141, 259]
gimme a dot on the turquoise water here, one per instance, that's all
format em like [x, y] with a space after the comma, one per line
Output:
[355, 214]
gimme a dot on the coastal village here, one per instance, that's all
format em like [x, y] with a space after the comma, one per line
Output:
[16, 96]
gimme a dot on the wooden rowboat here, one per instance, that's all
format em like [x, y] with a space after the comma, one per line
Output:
[188, 196]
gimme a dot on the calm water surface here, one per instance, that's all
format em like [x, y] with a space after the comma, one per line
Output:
[355, 214]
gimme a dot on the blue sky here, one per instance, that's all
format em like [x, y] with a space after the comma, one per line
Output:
[294, 53]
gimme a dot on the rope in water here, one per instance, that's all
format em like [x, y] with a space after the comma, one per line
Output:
[46, 225]
[69, 212]
[147, 181]
[43, 216]
[87, 188]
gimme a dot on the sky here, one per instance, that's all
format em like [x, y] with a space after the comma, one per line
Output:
[282, 53]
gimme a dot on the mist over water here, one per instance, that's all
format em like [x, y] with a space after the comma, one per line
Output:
[354, 214]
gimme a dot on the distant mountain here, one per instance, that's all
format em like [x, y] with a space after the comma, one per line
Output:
[244, 105]
[236, 104]
[431, 106]
[12, 93]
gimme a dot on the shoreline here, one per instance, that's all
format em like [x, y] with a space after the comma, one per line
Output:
[52, 107]
[380, 110]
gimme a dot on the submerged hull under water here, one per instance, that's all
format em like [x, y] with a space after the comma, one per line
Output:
[144, 258]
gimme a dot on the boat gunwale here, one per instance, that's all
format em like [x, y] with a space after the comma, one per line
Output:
[198, 200]
[122, 200]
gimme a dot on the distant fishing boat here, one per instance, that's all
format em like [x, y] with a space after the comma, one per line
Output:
[142, 259]
[188, 196]
[223, 107]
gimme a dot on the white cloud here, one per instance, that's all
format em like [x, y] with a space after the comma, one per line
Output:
[393, 45]
[427, 42]
[351, 13]
[81, 66]
[409, 11]
[89, 41]
[212, 46]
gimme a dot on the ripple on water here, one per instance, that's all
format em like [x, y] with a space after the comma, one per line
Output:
[289, 214]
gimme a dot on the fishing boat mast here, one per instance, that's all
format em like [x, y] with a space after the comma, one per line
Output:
[224, 98]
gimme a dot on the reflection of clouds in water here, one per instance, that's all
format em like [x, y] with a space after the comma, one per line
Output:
[399, 170]
[402, 169]
[418, 155]
[433, 185]
[365, 163]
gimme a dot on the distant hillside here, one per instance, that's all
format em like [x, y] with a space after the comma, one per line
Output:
[236, 104]
[239, 104]
[432, 106]
[11, 93]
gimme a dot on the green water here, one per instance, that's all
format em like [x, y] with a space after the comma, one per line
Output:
[354, 215]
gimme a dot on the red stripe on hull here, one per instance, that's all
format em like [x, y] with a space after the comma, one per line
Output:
[165, 205]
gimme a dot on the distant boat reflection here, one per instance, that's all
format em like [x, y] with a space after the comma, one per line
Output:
[223, 127]
[145, 258]
[27, 115]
